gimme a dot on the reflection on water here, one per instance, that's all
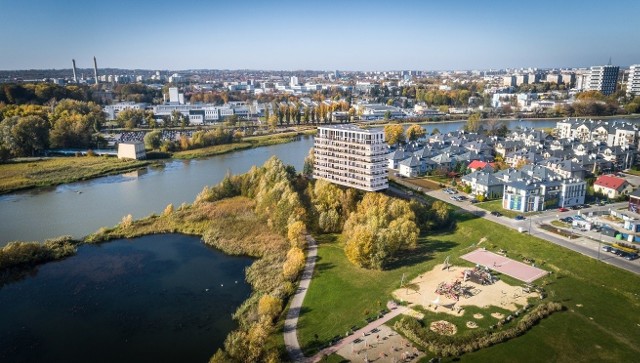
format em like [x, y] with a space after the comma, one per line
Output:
[162, 298]
[81, 208]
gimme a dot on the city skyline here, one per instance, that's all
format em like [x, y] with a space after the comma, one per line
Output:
[287, 35]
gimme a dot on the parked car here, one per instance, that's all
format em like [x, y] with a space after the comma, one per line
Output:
[606, 248]
[519, 217]
[497, 214]
[563, 209]
[473, 201]
[631, 256]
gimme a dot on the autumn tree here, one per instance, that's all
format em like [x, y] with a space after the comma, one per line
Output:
[293, 264]
[473, 123]
[296, 233]
[269, 306]
[130, 118]
[415, 132]
[327, 204]
[378, 229]
[309, 160]
[394, 134]
[153, 139]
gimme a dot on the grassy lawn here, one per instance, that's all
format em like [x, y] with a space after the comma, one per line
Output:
[53, 171]
[601, 321]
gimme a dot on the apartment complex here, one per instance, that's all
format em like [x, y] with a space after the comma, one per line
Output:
[603, 79]
[633, 83]
[351, 156]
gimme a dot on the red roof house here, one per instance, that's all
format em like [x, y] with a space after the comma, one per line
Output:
[612, 186]
[480, 165]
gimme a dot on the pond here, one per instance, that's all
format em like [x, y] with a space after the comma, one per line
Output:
[160, 298]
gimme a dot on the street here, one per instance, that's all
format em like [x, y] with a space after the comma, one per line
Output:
[583, 244]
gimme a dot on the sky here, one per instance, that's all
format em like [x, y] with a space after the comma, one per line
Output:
[318, 35]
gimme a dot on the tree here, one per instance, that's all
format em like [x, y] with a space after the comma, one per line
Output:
[296, 233]
[394, 134]
[130, 118]
[415, 132]
[378, 229]
[269, 307]
[307, 169]
[441, 211]
[473, 123]
[231, 120]
[153, 139]
[293, 264]
[387, 115]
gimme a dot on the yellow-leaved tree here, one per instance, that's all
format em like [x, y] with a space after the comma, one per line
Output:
[379, 228]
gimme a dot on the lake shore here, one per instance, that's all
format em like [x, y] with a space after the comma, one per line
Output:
[52, 171]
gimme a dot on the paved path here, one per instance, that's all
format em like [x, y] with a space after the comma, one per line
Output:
[357, 334]
[291, 323]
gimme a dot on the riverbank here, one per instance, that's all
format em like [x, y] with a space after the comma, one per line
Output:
[52, 171]
[246, 143]
[44, 172]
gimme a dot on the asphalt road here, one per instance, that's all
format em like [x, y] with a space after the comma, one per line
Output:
[583, 244]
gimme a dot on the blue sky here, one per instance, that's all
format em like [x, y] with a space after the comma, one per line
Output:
[319, 35]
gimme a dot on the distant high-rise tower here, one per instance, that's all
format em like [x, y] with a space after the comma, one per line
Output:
[95, 69]
[75, 77]
[603, 79]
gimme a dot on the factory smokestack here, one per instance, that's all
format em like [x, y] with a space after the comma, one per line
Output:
[75, 77]
[95, 69]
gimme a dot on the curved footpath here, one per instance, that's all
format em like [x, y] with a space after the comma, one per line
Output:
[291, 322]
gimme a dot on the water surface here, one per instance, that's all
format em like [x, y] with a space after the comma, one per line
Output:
[158, 298]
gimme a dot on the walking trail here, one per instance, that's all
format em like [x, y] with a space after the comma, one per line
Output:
[291, 322]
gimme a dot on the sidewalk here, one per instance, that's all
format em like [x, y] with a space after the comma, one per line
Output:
[291, 323]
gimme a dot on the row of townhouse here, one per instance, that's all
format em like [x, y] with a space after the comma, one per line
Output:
[440, 153]
[532, 188]
[612, 133]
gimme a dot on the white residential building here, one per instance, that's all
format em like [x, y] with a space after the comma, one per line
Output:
[351, 156]
[633, 83]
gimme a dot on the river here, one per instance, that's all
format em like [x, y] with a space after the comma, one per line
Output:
[158, 298]
[80, 208]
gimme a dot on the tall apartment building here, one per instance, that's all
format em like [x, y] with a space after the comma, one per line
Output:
[603, 79]
[633, 82]
[351, 156]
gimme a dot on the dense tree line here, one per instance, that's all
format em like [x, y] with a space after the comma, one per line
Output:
[41, 93]
[28, 130]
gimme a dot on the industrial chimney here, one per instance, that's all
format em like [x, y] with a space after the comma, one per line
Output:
[95, 69]
[75, 77]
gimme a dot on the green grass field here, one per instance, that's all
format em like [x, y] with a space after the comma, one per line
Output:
[59, 170]
[601, 321]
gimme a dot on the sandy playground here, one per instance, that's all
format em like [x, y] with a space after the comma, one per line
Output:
[497, 294]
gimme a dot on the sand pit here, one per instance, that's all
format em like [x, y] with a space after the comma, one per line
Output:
[383, 345]
[478, 316]
[472, 325]
[497, 315]
[497, 294]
